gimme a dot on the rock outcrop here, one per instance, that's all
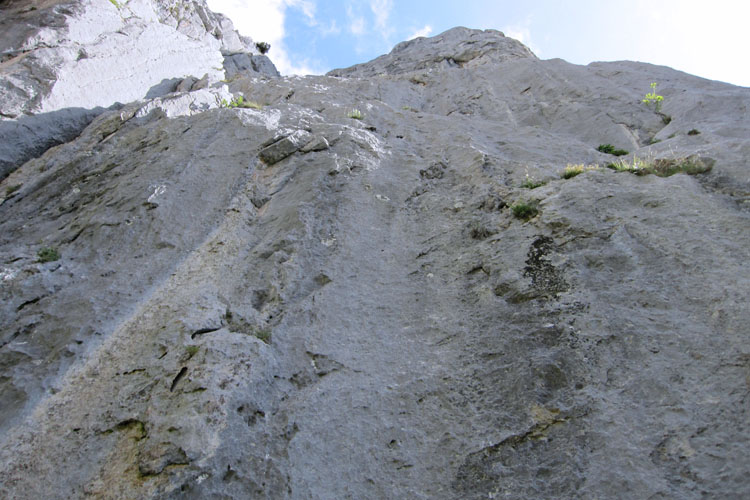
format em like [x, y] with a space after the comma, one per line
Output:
[384, 285]
[64, 62]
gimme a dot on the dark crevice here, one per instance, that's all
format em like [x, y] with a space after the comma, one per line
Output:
[178, 378]
[29, 302]
[204, 330]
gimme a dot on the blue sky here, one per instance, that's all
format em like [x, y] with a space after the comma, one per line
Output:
[708, 39]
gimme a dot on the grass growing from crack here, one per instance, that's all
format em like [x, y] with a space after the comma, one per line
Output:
[531, 183]
[355, 114]
[191, 350]
[575, 169]
[12, 189]
[610, 149]
[662, 167]
[47, 254]
[693, 131]
[524, 210]
[240, 102]
[263, 334]
[478, 231]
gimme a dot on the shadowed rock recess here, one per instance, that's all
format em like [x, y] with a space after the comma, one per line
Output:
[344, 286]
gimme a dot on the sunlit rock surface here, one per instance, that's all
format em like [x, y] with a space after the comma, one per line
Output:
[63, 62]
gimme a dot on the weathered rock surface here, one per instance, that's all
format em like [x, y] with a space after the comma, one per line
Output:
[72, 59]
[238, 64]
[357, 313]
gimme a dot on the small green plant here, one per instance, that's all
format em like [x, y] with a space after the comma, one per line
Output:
[572, 170]
[653, 98]
[666, 119]
[633, 166]
[654, 140]
[12, 189]
[611, 150]
[524, 210]
[240, 102]
[531, 183]
[115, 3]
[192, 350]
[694, 131]
[47, 254]
[355, 113]
[263, 47]
[263, 334]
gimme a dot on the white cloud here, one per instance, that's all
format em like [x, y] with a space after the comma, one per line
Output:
[522, 33]
[381, 9]
[688, 36]
[356, 21]
[263, 21]
[426, 30]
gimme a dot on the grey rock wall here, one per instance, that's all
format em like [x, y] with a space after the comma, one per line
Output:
[285, 301]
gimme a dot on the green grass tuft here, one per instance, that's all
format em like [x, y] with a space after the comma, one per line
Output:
[572, 170]
[12, 189]
[263, 334]
[524, 210]
[610, 149]
[47, 254]
[663, 167]
[355, 114]
[240, 102]
[531, 183]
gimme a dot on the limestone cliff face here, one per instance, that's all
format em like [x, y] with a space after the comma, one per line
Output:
[63, 62]
[335, 293]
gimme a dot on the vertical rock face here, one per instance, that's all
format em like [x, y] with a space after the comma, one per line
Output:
[382, 283]
[63, 62]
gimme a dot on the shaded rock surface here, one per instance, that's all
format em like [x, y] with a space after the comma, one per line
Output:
[79, 57]
[238, 64]
[358, 314]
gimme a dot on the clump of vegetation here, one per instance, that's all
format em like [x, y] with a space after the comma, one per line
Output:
[47, 254]
[263, 334]
[653, 98]
[263, 47]
[115, 3]
[191, 350]
[524, 210]
[12, 189]
[240, 102]
[478, 231]
[572, 170]
[611, 150]
[654, 140]
[662, 167]
[694, 131]
[356, 114]
[531, 183]
[666, 119]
